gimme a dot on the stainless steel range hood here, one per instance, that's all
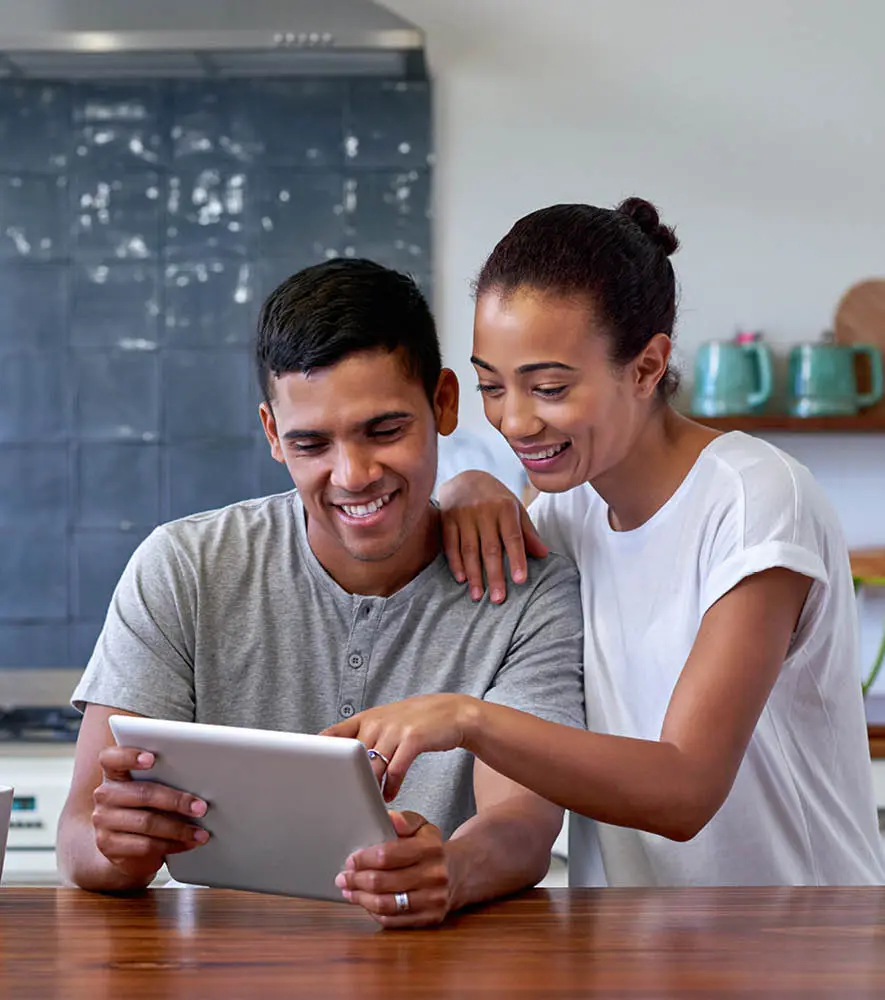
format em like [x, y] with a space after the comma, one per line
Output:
[72, 39]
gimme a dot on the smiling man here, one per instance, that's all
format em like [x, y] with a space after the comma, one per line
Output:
[295, 611]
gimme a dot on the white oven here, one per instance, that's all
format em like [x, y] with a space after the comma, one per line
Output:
[41, 776]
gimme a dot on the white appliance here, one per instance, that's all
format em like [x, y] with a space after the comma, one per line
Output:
[41, 776]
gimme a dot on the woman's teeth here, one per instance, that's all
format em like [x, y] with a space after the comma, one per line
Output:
[364, 509]
[536, 456]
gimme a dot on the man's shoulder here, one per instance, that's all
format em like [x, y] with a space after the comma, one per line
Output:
[246, 519]
[223, 537]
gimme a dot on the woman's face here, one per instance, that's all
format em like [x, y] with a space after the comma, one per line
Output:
[550, 387]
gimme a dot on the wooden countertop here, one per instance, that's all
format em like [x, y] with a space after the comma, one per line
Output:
[659, 943]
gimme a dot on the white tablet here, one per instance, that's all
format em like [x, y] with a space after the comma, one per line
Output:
[285, 809]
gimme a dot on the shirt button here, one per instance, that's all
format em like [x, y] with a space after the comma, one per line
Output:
[346, 710]
[355, 660]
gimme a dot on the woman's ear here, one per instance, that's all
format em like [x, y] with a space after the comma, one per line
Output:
[650, 365]
[445, 402]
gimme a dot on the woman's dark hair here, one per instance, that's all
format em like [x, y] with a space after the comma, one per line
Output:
[615, 258]
[329, 311]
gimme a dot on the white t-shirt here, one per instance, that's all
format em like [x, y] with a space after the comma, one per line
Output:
[801, 810]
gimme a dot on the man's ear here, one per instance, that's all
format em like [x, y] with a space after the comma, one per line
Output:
[270, 432]
[445, 402]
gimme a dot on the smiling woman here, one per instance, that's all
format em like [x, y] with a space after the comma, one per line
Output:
[727, 741]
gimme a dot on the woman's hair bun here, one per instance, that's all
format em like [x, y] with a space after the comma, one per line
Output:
[645, 215]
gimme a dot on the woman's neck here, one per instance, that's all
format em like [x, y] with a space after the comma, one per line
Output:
[661, 455]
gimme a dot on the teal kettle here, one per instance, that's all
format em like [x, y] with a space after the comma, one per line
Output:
[731, 377]
[823, 380]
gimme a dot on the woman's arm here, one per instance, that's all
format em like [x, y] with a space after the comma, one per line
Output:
[672, 786]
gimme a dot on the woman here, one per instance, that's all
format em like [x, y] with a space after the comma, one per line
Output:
[726, 740]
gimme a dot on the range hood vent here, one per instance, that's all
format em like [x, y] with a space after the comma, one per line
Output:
[93, 39]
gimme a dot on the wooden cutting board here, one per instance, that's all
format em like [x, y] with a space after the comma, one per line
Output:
[860, 319]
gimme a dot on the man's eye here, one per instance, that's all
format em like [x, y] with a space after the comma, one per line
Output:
[487, 389]
[307, 447]
[550, 391]
[386, 432]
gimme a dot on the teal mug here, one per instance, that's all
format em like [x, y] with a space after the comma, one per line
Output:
[731, 378]
[823, 383]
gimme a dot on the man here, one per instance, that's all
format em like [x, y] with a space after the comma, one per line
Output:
[294, 611]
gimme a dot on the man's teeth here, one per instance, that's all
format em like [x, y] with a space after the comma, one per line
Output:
[535, 456]
[364, 509]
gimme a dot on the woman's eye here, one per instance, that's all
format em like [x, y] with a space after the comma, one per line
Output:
[550, 391]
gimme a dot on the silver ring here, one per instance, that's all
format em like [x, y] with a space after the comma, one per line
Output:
[377, 753]
[402, 901]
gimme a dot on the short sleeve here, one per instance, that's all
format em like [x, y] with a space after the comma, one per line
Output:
[777, 519]
[542, 673]
[143, 660]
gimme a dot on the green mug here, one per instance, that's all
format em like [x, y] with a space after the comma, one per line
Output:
[823, 383]
[731, 377]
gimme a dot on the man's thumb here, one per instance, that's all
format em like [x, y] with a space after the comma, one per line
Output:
[407, 823]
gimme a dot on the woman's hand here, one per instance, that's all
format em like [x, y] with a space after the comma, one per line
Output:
[482, 520]
[404, 729]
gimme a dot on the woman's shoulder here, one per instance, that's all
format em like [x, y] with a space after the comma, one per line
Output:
[769, 489]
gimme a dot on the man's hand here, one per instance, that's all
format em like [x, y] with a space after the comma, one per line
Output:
[414, 865]
[137, 823]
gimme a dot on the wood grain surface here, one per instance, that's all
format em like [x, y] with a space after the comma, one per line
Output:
[196, 943]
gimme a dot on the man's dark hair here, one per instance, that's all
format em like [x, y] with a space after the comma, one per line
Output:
[329, 311]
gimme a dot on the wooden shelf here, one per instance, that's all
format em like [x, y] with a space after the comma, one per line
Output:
[868, 564]
[756, 423]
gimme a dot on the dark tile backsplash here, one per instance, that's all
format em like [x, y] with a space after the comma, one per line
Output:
[141, 226]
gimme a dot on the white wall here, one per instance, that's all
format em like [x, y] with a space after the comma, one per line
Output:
[756, 126]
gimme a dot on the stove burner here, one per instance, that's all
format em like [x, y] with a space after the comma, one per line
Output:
[39, 725]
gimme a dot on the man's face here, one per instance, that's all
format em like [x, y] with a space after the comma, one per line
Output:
[360, 441]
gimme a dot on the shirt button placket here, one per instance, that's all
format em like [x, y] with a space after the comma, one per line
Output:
[356, 658]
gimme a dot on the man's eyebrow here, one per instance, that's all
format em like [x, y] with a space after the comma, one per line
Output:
[321, 435]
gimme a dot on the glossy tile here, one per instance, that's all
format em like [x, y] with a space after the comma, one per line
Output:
[142, 225]
[117, 395]
[208, 394]
[388, 218]
[116, 214]
[98, 558]
[206, 213]
[115, 304]
[207, 475]
[35, 484]
[35, 126]
[33, 213]
[117, 485]
[118, 125]
[389, 124]
[210, 123]
[82, 636]
[34, 644]
[33, 305]
[33, 573]
[298, 122]
[26, 376]
[300, 212]
[211, 302]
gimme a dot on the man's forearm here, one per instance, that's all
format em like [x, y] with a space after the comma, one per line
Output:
[81, 863]
[502, 849]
